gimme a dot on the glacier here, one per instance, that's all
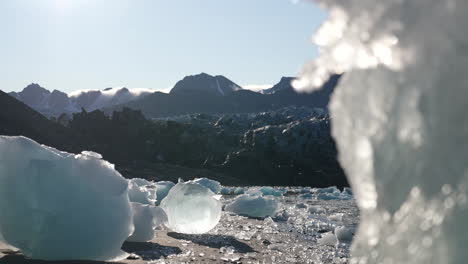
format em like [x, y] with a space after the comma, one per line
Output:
[399, 120]
[57, 206]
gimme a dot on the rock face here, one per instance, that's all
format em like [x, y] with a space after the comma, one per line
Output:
[200, 94]
[16, 118]
[292, 145]
[283, 85]
[206, 84]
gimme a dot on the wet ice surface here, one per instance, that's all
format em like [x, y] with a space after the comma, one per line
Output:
[290, 237]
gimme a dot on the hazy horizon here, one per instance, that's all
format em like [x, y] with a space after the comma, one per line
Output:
[74, 45]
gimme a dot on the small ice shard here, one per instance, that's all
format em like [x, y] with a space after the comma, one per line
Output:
[317, 210]
[142, 191]
[213, 185]
[91, 154]
[253, 206]
[347, 191]
[226, 191]
[301, 206]
[328, 239]
[338, 217]
[162, 189]
[191, 208]
[331, 189]
[306, 196]
[239, 190]
[61, 206]
[330, 196]
[267, 190]
[146, 218]
[343, 234]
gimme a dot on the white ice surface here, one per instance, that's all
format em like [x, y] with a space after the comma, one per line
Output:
[56, 206]
[146, 219]
[213, 185]
[142, 191]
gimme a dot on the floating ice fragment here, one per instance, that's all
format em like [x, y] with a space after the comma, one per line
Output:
[343, 234]
[239, 190]
[301, 206]
[162, 189]
[306, 196]
[328, 239]
[338, 217]
[226, 191]
[347, 191]
[317, 210]
[331, 189]
[142, 191]
[61, 206]
[191, 208]
[267, 190]
[252, 205]
[213, 185]
[145, 219]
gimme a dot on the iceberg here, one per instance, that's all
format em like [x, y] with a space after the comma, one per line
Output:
[253, 206]
[61, 206]
[191, 208]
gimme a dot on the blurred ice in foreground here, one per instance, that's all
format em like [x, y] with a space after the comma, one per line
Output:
[399, 119]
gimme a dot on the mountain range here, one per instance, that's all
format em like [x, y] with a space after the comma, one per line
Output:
[201, 93]
[287, 146]
[16, 118]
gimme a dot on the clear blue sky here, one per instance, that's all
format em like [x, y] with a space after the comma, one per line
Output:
[93, 44]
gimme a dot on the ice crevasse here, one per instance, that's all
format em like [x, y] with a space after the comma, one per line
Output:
[399, 120]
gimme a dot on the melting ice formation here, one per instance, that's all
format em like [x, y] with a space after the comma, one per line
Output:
[191, 208]
[399, 119]
[60, 206]
[55, 205]
[253, 205]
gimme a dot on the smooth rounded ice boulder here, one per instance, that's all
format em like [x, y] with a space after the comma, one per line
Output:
[191, 208]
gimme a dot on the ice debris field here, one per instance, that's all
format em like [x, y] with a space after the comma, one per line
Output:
[61, 206]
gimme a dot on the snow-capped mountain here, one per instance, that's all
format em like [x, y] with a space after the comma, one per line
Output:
[283, 85]
[205, 83]
[56, 102]
[96, 99]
